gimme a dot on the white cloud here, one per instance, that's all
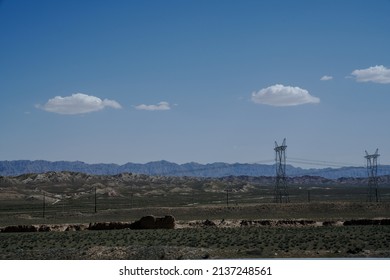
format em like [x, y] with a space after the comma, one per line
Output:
[77, 103]
[326, 78]
[280, 95]
[162, 106]
[376, 74]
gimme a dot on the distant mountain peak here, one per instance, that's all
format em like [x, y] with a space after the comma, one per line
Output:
[166, 168]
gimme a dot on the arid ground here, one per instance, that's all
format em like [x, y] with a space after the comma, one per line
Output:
[322, 220]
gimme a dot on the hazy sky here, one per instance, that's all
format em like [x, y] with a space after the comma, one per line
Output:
[203, 81]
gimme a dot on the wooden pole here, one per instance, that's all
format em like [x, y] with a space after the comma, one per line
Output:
[227, 197]
[44, 205]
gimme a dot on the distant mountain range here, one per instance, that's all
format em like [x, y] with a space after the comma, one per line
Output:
[165, 168]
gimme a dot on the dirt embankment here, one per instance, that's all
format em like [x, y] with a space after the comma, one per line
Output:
[147, 222]
[168, 222]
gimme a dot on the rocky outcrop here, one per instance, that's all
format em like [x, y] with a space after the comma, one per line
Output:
[367, 222]
[277, 223]
[20, 228]
[44, 228]
[295, 223]
[206, 223]
[167, 222]
[252, 223]
[147, 222]
[209, 223]
[329, 223]
[151, 222]
[108, 226]
[75, 228]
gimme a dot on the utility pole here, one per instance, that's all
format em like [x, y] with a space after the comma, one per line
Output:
[44, 205]
[372, 171]
[227, 197]
[281, 194]
[95, 200]
[63, 204]
[131, 197]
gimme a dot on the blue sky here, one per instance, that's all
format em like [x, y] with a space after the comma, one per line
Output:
[194, 81]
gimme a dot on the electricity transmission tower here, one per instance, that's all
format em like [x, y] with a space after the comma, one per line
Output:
[372, 170]
[281, 194]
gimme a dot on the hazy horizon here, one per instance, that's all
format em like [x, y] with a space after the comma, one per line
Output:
[268, 163]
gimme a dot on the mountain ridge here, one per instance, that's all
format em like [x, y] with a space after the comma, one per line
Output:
[191, 169]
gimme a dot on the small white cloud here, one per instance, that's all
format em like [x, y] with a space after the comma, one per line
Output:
[326, 78]
[280, 95]
[376, 74]
[77, 103]
[162, 106]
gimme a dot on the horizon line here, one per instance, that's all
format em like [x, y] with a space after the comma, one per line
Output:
[312, 163]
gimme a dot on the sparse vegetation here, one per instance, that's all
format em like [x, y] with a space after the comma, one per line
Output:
[69, 199]
[197, 243]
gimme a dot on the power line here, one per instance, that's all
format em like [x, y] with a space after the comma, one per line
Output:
[322, 162]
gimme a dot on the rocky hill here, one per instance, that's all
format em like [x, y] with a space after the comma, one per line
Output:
[165, 168]
[66, 178]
